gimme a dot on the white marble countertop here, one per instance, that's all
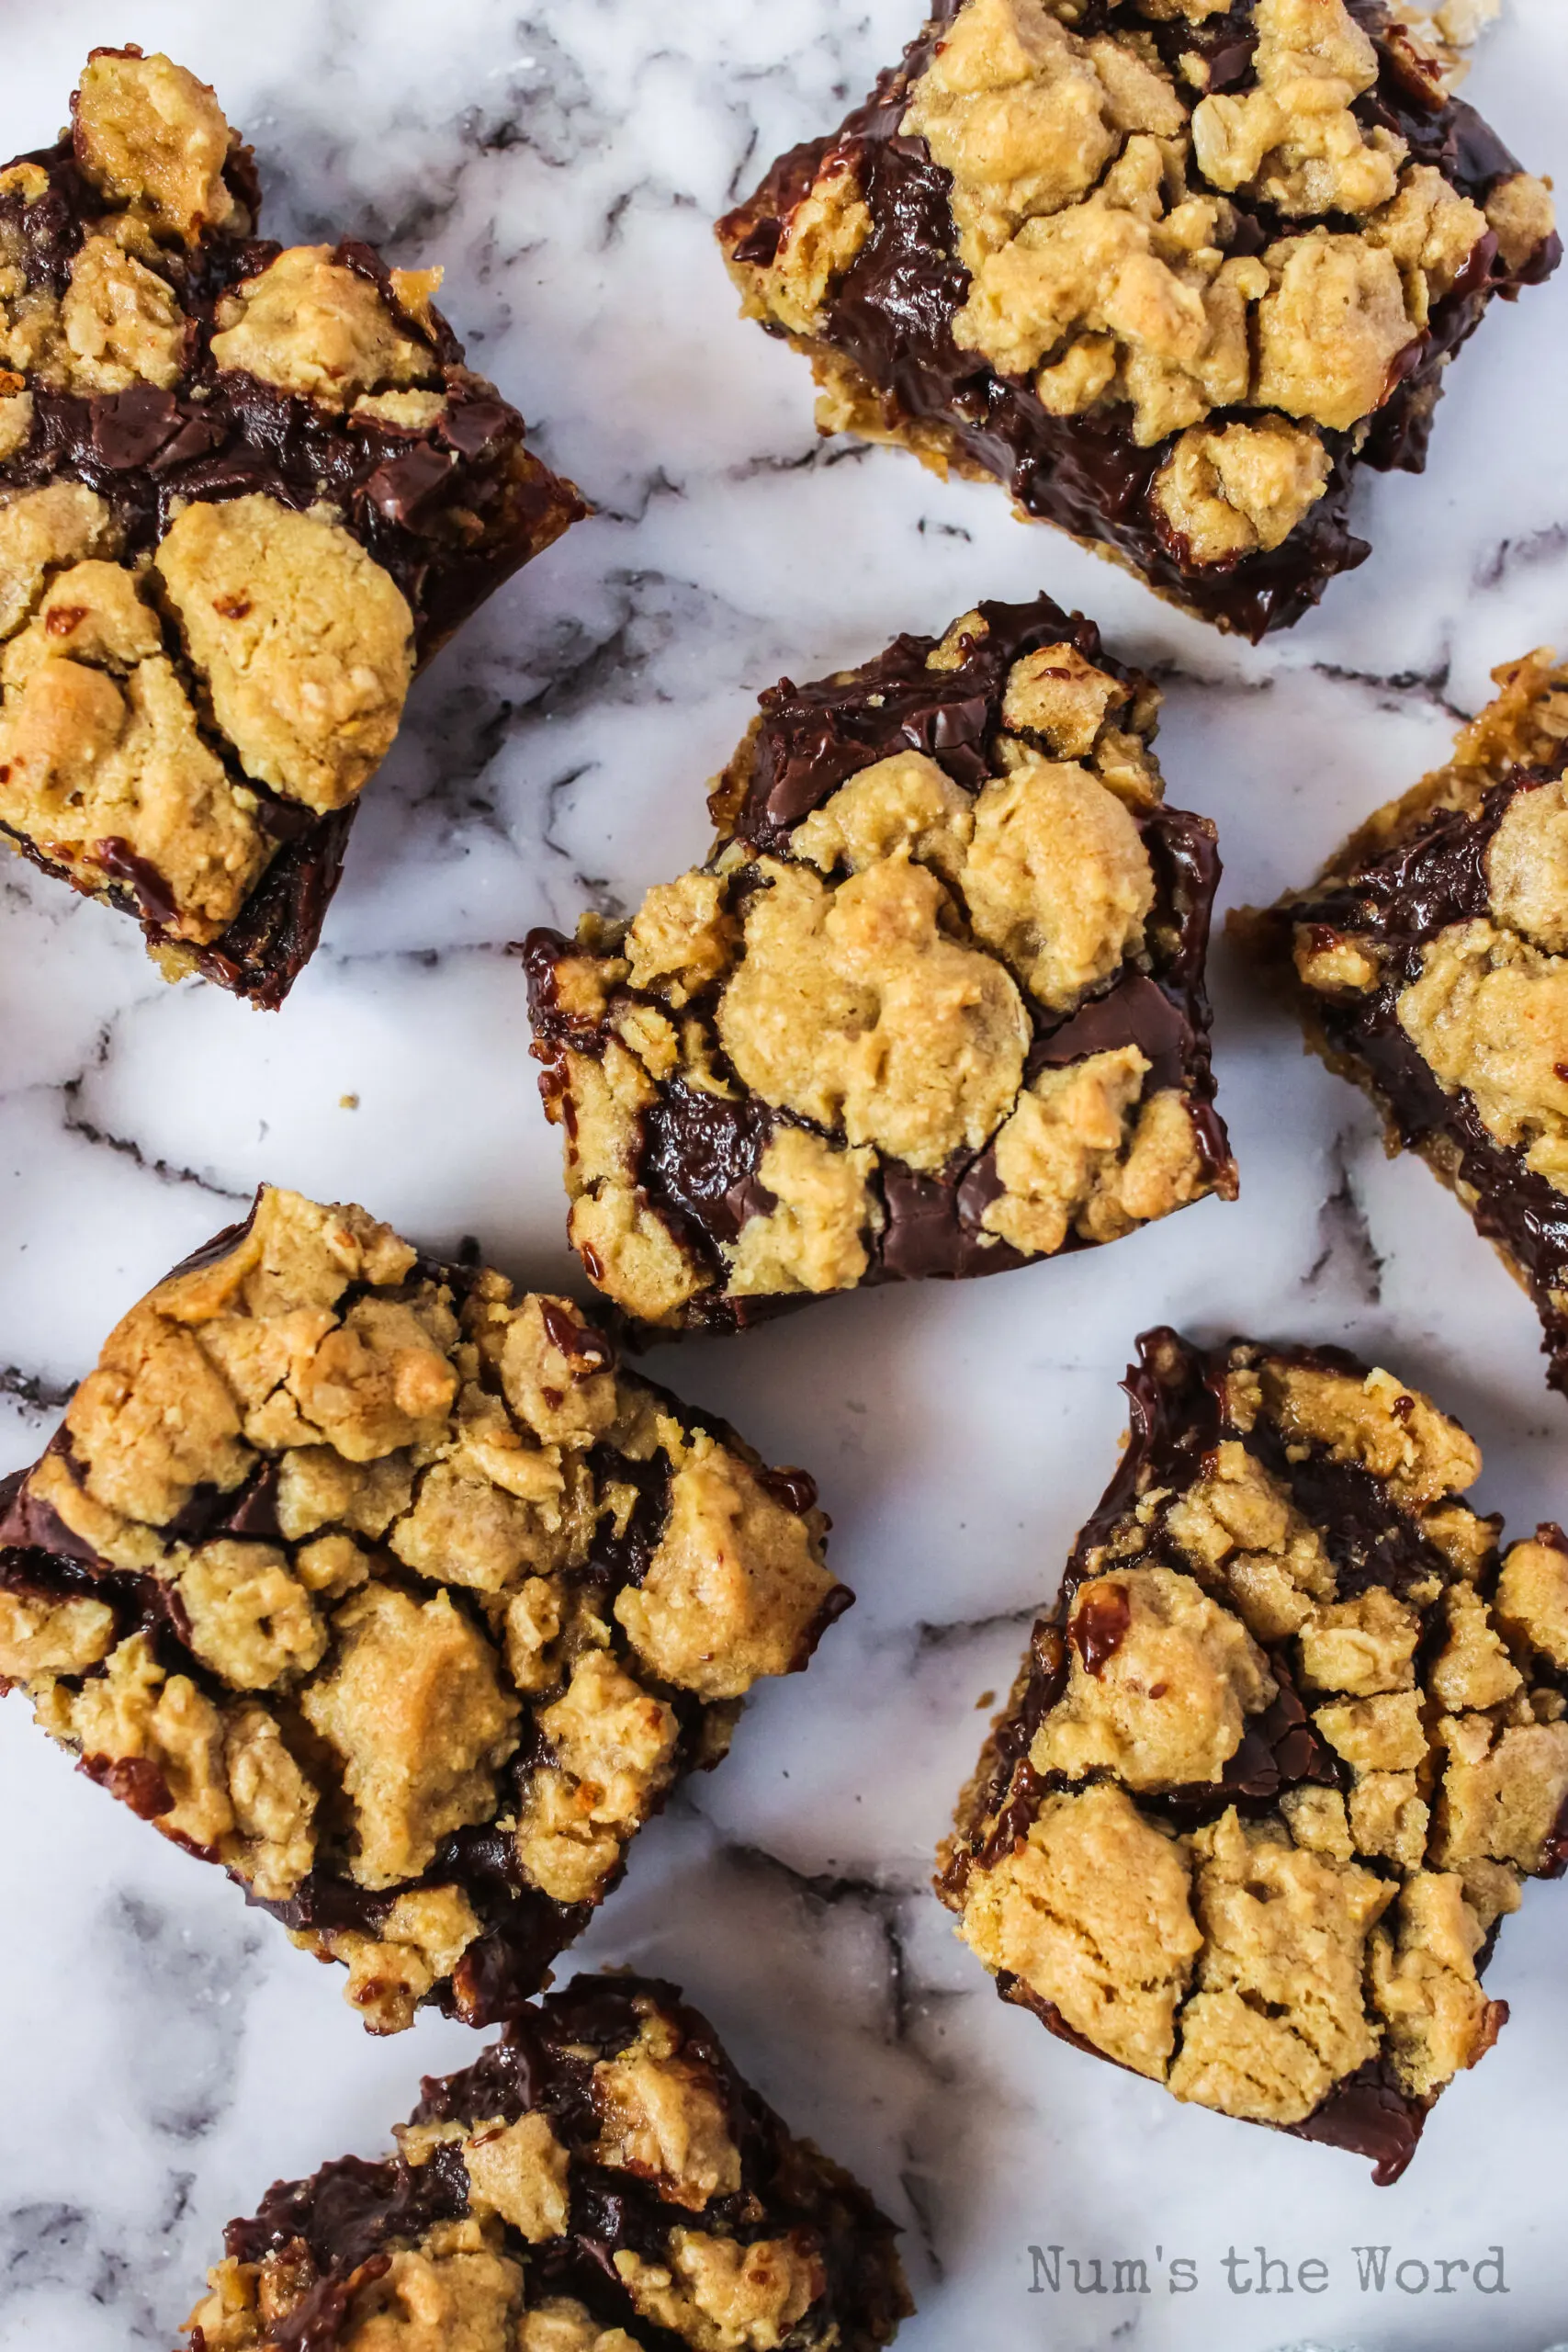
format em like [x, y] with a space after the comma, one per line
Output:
[164, 2054]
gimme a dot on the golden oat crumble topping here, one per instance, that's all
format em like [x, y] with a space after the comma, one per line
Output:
[871, 990]
[721, 2296]
[309, 324]
[150, 136]
[1284, 1756]
[306, 644]
[276, 624]
[387, 1554]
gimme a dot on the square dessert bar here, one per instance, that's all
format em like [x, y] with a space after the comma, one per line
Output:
[245, 493]
[935, 1004]
[1429, 964]
[600, 2180]
[383, 1587]
[1173, 270]
[1280, 1757]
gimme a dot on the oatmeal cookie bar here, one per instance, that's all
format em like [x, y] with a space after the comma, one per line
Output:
[600, 2180]
[1429, 964]
[935, 1004]
[382, 1586]
[1172, 269]
[246, 491]
[1280, 1756]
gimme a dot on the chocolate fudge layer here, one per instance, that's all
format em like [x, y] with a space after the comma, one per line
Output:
[600, 2180]
[244, 493]
[935, 1005]
[1429, 964]
[1172, 270]
[380, 1586]
[1280, 1756]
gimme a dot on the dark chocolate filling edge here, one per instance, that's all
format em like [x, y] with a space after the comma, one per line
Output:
[1435, 876]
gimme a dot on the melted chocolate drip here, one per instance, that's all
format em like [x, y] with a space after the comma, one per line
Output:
[891, 314]
[700, 1160]
[350, 2209]
[1371, 2116]
[1099, 1626]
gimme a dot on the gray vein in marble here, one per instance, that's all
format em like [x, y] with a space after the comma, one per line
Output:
[185, 2075]
[1347, 1251]
[127, 1146]
[1544, 546]
[33, 1392]
[1430, 685]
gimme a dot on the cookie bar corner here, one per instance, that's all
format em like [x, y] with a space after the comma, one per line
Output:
[245, 493]
[601, 2178]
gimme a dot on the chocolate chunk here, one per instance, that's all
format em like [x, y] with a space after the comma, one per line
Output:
[130, 428]
[474, 426]
[404, 488]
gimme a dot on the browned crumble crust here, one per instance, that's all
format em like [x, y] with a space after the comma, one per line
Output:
[245, 493]
[600, 2180]
[1280, 1756]
[382, 1586]
[1173, 269]
[934, 1005]
[1429, 964]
